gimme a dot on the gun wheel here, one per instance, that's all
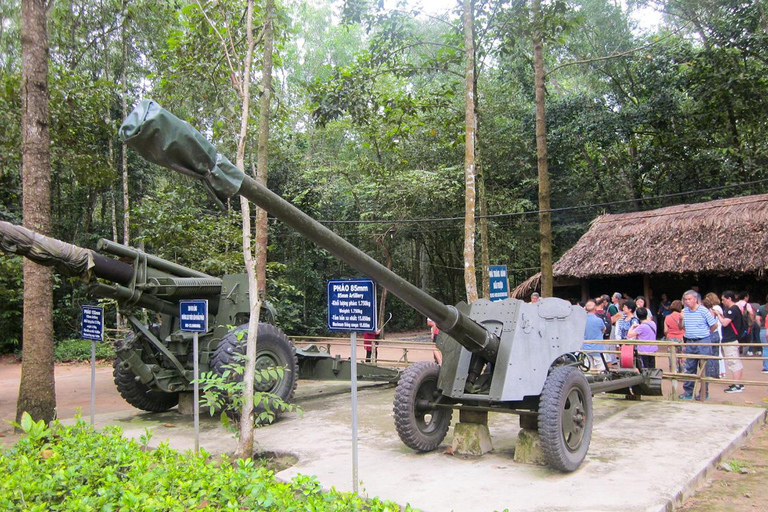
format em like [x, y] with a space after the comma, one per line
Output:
[420, 425]
[273, 350]
[565, 418]
[138, 394]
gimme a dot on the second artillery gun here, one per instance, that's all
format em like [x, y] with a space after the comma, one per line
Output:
[505, 356]
[154, 363]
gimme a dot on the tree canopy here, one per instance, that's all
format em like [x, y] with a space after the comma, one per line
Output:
[367, 130]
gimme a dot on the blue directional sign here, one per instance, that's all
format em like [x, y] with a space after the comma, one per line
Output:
[193, 315]
[352, 305]
[499, 283]
[92, 323]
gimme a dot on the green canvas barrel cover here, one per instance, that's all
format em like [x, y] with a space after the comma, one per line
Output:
[164, 139]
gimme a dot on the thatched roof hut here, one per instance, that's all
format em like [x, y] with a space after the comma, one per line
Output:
[723, 238]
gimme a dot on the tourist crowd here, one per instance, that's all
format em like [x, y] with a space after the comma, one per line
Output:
[712, 326]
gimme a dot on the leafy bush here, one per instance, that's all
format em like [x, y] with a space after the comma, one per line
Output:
[74, 468]
[80, 350]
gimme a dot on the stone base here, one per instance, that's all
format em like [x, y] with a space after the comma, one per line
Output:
[187, 404]
[471, 439]
[528, 447]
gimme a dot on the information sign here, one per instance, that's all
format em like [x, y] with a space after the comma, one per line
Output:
[193, 315]
[352, 305]
[92, 324]
[499, 282]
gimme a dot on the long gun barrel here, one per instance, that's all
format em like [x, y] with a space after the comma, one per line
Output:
[162, 138]
[149, 281]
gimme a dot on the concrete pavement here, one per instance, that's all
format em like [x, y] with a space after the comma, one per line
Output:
[644, 456]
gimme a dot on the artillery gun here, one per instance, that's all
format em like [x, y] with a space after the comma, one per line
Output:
[505, 356]
[154, 364]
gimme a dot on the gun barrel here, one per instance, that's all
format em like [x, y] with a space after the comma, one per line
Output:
[124, 251]
[69, 259]
[164, 139]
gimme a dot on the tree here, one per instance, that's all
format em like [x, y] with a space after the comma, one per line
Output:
[545, 216]
[37, 390]
[470, 175]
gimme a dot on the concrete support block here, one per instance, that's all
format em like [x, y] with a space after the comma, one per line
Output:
[471, 435]
[187, 404]
[528, 447]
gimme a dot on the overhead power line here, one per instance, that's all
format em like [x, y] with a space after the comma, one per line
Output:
[551, 210]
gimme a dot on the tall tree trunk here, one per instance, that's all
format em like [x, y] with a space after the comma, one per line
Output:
[37, 390]
[245, 441]
[263, 152]
[545, 216]
[485, 246]
[470, 121]
[124, 87]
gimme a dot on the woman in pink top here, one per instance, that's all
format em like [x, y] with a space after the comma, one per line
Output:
[672, 327]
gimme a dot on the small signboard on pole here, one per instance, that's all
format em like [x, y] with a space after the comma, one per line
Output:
[193, 317]
[92, 328]
[352, 307]
[499, 282]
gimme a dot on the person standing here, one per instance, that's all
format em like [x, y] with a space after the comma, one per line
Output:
[673, 328]
[628, 319]
[593, 331]
[733, 324]
[699, 324]
[762, 318]
[645, 331]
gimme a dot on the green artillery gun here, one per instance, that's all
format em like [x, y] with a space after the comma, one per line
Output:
[504, 356]
[154, 362]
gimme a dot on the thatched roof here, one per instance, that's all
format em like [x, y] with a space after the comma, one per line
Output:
[524, 290]
[727, 236]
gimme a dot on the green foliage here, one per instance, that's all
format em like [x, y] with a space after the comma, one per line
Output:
[224, 393]
[71, 350]
[73, 468]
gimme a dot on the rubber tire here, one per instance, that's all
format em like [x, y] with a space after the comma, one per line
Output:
[273, 348]
[138, 394]
[419, 382]
[565, 442]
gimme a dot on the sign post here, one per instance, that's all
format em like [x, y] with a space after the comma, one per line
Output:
[193, 317]
[352, 307]
[92, 328]
[499, 282]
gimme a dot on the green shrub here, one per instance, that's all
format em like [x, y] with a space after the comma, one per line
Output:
[74, 468]
[80, 350]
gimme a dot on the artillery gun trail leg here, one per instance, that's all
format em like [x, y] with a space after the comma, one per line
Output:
[420, 426]
[138, 394]
[273, 349]
[565, 418]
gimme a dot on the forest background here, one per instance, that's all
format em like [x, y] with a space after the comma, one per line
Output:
[367, 132]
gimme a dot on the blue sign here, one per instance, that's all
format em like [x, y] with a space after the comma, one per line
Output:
[499, 283]
[92, 323]
[193, 315]
[352, 305]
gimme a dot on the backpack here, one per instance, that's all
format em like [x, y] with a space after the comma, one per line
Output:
[606, 321]
[744, 333]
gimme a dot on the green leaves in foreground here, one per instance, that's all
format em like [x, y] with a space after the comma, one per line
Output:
[74, 468]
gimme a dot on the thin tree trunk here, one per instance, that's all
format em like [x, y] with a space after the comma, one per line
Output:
[245, 441]
[485, 246]
[124, 87]
[545, 216]
[37, 390]
[263, 151]
[470, 121]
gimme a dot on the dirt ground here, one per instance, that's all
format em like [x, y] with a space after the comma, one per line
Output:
[739, 483]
